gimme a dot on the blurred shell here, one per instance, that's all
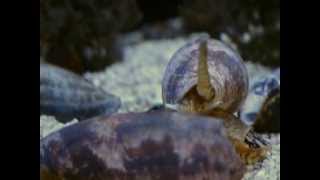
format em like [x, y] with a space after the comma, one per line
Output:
[268, 120]
[144, 146]
[264, 95]
[228, 75]
[66, 96]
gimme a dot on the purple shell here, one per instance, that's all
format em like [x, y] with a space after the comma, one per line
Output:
[141, 146]
[228, 74]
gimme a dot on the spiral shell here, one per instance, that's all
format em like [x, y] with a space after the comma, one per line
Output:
[66, 95]
[144, 146]
[202, 60]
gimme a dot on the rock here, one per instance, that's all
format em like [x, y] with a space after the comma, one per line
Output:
[253, 25]
[81, 35]
[156, 11]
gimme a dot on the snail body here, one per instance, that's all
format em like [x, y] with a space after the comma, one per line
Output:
[209, 78]
[66, 95]
[152, 145]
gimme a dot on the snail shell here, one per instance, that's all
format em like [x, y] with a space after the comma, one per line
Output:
[261, 108]
[261, 91]
[205, 75]
[66, 95]
[144, 146]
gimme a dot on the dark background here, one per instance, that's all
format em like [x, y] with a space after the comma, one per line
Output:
[69, 30]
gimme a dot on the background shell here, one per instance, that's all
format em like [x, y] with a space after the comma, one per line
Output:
[264, 95]
[228, 74]
[154, 145]
[66, 95]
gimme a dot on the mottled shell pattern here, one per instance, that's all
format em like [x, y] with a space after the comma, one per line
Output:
[228, 75]
[66, 95]
[260, 91]
[141, 146]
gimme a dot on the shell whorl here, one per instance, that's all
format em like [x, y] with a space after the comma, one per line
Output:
[66, 95]
[227, 73]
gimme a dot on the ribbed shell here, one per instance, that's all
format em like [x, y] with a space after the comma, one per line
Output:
[141, 146]
[228, 74]
[66, 95]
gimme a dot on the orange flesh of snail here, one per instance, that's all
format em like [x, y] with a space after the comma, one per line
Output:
[249, 155]
[237, 133]
[236, 130]
[197, 101]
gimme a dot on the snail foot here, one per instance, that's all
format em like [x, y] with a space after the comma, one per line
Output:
[250, 155]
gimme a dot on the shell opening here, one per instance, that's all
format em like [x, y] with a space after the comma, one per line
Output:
[202, 97]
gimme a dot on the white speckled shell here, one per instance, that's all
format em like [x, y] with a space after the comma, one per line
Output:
[259, 93]
[228, 74]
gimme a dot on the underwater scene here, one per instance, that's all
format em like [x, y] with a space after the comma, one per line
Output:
[159, 90]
